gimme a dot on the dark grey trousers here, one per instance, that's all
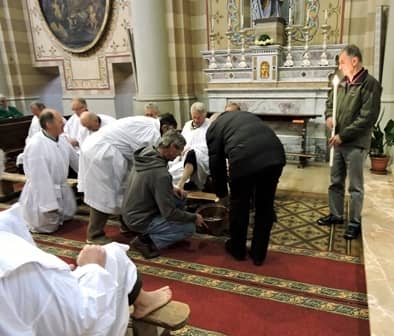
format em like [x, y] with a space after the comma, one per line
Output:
[348, 162]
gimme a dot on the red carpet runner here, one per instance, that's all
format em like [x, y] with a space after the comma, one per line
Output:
[296, 292]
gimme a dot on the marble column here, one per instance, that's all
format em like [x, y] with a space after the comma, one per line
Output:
[151, 53]
[388, 75]
[388, 69]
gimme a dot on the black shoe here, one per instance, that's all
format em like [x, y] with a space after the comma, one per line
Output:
[257, 261]
[330, 219]
[235, 254]
[145, 246]
[352, 232]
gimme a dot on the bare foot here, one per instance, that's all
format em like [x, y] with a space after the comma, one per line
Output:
[147, 302]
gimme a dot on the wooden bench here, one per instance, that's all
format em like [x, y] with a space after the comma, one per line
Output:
[171, 317]
[204, 196]
[7, 181]
[13, 133]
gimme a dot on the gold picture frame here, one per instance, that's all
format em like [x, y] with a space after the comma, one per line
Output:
[76, 24]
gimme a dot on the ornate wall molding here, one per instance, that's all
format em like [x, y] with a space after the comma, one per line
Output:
[89, 71]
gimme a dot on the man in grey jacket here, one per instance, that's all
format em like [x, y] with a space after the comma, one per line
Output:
[150, 202]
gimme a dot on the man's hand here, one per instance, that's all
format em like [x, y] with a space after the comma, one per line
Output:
[329, 123]
[73, 142]
[180, 193]
[335, 140]
[200, 221]
[92, 254]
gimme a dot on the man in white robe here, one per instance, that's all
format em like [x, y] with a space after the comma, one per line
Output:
[93, 122]
[47, 200]
[151, 110]
[73, 130]
[106, 158]
[93, 299]
[42, 296]
[36, 108]
[193, 165]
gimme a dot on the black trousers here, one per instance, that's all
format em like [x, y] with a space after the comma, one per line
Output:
[264, 184]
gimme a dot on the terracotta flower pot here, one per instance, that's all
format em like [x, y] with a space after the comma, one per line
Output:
[379, 164]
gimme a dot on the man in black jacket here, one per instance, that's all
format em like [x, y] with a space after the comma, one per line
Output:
[256, 158]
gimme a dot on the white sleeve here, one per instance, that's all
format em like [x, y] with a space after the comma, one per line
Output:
[74, 157]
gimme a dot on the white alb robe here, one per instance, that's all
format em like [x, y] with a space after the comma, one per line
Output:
[46, 164]
[195, 139]
[11, 220]
[41, 296]
[34, 128]
[74, 130]
[106, 158]
[106, 120]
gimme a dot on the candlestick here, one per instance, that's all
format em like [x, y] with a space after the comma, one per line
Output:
[289, 58]
[306, 59]
[335, 83]
[242, 63]
[229, 63]
[323, 57]
[308, 13]
[241, 11]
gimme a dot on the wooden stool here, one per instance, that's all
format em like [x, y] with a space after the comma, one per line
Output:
[173, 316]
[202, 196]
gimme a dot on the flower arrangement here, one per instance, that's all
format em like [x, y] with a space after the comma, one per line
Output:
[263, 40]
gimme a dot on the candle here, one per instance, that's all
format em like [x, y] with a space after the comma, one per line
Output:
[229, 22]
[241, 6]
[212, 22]
[335, 83]
[308, 13]
[325, 16]
[290, 16]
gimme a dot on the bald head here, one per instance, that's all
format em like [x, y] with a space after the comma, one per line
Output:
[3, 101]
[52, 122]
[90, 120]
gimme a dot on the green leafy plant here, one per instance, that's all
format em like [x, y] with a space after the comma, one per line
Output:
[381, 141]
[263, 40]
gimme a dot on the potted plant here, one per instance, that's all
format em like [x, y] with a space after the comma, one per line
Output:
[381, 142]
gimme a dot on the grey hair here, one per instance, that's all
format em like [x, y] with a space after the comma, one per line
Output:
[198, 107]
[2, 157]
[2, 96]
[151, 106]
[172, 137]
[38, 104]
[82, 101]
[353, 51]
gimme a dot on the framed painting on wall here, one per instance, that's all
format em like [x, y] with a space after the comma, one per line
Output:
[76, 24]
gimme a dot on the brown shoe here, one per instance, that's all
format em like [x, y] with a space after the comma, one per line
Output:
[145, 246]
[102, 240]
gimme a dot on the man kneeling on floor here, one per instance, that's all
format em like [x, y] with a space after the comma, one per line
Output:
[151, 204]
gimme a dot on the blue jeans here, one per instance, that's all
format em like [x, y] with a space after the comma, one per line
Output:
[165, 233]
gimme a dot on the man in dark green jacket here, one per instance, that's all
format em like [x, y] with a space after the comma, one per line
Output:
[7, 111]
[358, 107]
